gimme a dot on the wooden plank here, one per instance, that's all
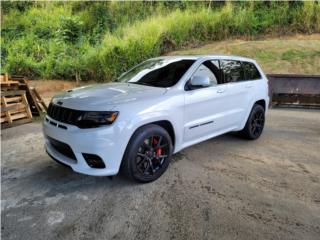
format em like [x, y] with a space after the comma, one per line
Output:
[9, 83]
[18, 111]
[9, 88]
[20, 79]
[25, 101]
[15, 123]
[4, 77]
[12, 93]
[19, 115]
[33, 99]
[3, 100]
[40, 100]
[15, 106]
[13, 99]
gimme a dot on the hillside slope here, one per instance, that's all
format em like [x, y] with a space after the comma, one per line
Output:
[298, 54]
[99, 40]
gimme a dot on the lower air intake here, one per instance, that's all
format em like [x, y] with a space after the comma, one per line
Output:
[93, 160]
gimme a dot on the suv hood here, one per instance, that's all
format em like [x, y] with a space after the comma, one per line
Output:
[105, 96]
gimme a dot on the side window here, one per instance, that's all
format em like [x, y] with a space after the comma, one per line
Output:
[250, 71]
[205, 71]
[232, 71]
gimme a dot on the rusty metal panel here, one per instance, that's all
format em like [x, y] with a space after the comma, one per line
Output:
[294, 90]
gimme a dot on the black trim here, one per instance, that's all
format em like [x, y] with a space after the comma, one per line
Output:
[93, 160]
[206, 123]
[62, 148]
[56, 160]
[202, 124]
[62, 126]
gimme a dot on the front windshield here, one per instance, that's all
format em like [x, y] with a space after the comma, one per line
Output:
[157, 72]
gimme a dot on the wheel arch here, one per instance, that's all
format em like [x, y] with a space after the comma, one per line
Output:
[260, 102]
[165, 124]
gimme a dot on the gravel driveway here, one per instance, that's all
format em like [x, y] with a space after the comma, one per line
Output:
[224, 188]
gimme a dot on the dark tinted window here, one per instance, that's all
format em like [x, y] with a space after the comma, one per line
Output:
[157, 72]
[232, 71]
[250, 71]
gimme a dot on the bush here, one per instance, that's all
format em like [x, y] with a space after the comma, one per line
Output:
[99, 40]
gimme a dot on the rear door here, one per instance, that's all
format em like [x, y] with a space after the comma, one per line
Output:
[254, 81]
[238, 94]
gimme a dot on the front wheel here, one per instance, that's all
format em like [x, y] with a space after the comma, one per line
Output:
[255, 123]
[148, 154]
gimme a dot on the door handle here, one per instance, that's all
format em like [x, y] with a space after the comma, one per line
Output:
[249, 86]
[220, 90]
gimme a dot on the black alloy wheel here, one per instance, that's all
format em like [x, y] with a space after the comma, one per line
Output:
[148, 154]
[152, 154]
[255, 123]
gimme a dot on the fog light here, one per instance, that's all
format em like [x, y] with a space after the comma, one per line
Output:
[93, 160]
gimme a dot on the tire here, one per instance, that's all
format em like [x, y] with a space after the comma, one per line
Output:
[148, 154]
[255, 123]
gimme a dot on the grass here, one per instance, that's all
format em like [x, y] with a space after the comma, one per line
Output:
[99, 40]
[299, 54]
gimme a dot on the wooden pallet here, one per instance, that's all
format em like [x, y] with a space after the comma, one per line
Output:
[37, 105]
[40, 102]
[4, 77]
[19, 101]
[14, 108]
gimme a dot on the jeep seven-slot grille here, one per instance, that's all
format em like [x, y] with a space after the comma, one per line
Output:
[62, 114]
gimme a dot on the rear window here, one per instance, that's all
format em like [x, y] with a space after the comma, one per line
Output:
[232, 71]
[250, 71]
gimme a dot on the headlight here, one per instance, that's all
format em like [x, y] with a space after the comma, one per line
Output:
[96, 119]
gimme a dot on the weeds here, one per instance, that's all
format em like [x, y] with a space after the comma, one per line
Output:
[98, 41]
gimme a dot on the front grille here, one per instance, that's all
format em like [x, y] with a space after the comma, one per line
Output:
[62, 148]
[62, 114]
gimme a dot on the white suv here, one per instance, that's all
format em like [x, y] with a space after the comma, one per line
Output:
[155, 109]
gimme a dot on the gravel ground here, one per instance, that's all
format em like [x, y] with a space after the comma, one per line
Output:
[224, 188]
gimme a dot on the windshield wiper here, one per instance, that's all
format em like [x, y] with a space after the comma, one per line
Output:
[142, 83]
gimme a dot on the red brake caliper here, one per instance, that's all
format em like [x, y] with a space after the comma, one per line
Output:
[159, 150]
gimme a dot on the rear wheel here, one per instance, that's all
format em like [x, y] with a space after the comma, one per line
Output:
[255, 123]
[148, 154]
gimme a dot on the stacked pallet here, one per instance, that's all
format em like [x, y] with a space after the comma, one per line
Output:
[36, 103]
[19, 102]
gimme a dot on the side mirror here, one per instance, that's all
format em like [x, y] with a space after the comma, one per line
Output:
[199, 82]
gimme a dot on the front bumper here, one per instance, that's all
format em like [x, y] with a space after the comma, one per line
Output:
[105, 142]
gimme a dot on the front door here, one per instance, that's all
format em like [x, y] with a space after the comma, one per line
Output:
[205, 107]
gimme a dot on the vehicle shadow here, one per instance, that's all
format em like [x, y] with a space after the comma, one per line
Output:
[44, 174]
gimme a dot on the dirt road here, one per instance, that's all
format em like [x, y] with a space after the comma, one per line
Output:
[224, 188]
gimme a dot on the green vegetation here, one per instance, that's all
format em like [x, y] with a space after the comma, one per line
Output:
[297, 55]
[99, 40]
